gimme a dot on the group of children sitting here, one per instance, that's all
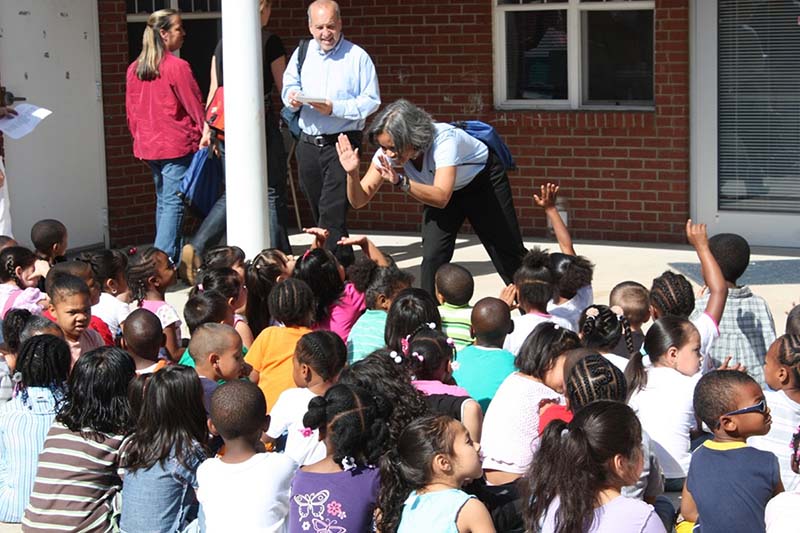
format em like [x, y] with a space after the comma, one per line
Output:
[311, 397]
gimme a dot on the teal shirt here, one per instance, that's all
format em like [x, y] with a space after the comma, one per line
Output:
[481, 371]
[366, 335]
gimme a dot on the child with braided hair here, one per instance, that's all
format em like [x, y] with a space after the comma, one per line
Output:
[18, 281]
[265, 270]
[341, 490]
[601, 327]
[782, 374]
[781, 513]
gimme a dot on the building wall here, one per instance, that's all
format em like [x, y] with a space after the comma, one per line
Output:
[625, 174]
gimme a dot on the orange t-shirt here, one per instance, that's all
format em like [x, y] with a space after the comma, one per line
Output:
[271, 355]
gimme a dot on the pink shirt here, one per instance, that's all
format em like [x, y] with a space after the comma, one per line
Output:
[87, 341]
[428, 387]
[343, 313]
[165, 115]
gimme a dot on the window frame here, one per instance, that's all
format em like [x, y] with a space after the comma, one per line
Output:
[576, 70]
[174, 4]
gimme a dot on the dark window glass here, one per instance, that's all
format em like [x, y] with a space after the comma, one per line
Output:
[536, 55]
[618, 57]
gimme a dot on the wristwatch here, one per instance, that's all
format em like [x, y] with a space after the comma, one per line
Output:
[404, 184]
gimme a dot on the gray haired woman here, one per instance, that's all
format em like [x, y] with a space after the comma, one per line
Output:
[453, 174]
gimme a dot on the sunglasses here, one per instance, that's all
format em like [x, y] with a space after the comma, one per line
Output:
[760, 407]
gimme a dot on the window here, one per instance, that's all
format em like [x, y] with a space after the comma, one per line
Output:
[202, 22]
[571, 54]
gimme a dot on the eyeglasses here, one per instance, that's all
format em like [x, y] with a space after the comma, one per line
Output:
[760, 407]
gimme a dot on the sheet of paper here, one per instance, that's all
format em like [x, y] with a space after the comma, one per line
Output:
[310, 99]
[27, 118]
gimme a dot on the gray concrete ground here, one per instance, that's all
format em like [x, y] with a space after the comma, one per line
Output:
[614, 262]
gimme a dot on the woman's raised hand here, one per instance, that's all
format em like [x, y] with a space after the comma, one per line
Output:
[388, 173]
[348, 156]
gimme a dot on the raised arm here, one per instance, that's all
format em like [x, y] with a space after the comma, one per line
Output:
[697, 234]
[359, 190]
[368, 247]
[547, 201]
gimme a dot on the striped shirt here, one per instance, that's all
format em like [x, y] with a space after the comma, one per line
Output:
[75, 483]
[456, 322]
[366, 335]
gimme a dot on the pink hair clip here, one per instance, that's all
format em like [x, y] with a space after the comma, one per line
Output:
[592, 312]
[450, 342]
[395, 357]
[306, 432]
[404, 344]
[200, 287]
[305, 254]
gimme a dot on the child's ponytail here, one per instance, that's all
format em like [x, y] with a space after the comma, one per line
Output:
[534, 280]
[665, 333]
[635, 373]
[429, 351]
[142, 266]
[602, 327]
[223, 280]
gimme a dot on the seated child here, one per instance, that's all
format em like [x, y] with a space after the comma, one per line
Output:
[222, 257]
[243, 490]
[535, 284]
[430, 358]
[49, 238]
[216, 350]
[781, 512]
[207, 307]
[341, 489]
[573, 273]
[262, 273]
[511, 427]
[782, 374]
[12, 328]
[42, 369]
[228, 283]
[409, 309]
[601, 328]
[291, 303]
[732, 405]
[634, 299]
[39, 325]
[18, 282]
[161, 457]
[71, 307]
[81, 452]
[6, 241]
[83, 270]
[380, 286]
[483, 366]
[454, 289]
[142, 338]
[318, 358]
[422, 476]
[793, 321]
[110, 274]
[150, 274]
[746, 328]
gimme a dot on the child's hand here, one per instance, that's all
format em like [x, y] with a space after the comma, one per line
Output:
[41, 268]
[727, 366]
[353, 240]
[548, 196]
[320, 236]
[509, 296]
[697, 234]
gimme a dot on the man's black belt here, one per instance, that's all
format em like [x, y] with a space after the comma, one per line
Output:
[329, 139]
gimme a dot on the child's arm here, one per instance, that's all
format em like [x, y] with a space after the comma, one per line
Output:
[688, 506]
[244, 331]
[697, 235]
[172, 342]
[547, 201]
[474, 518]
[778, 488]
[320, 236]
[472, 418]
[368, 247]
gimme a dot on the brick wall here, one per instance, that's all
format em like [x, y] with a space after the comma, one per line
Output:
[625, 174]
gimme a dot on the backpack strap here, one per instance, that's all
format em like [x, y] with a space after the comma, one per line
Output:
[301, 56]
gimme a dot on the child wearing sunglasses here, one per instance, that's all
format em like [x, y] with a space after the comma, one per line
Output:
[730, 483]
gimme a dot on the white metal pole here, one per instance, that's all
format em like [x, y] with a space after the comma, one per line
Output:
[245, 143]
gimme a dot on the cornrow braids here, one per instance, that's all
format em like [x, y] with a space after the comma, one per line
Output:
[594, 378]
[292, 302]
[261, 276]
[602, 326]
[323, 351]
[141, 268]
[671, 294]
[789, 354]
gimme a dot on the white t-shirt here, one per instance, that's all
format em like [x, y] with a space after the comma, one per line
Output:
[302, 444]
[452, 147]
[783, 513]
[524, 325]
[571, 309]
[709, 332]
[112, 311]
[616, 360]
[664, 407]
[785, 414]
[249, 496]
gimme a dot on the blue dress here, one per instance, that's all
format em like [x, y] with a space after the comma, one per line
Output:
[432, 511]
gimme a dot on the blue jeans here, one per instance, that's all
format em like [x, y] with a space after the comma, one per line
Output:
[167, 175]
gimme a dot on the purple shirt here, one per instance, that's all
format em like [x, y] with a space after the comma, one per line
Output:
[344, 499]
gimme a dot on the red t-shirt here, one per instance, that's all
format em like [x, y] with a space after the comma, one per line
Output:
[556, 412]
[95, 324]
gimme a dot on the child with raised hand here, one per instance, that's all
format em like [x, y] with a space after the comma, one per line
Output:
[142, 338]
[483, 366]
[380, 286]
[454, 289]
[410, 308]
[576, 479]
[71, 308]
[661, 394]
[228, 283]
[534, 282]
[41, 375]
[781, 513]
[261, 275]
[748, 338]
[318, 358]
[19, 281]
[671, 294]
[511, 426]
[81, 452]
[430, 357]
[732, 405]
[216, 350]
[150, 274]
[159, 460]
[601, 328]
[341, 490]
[243, 490]
[110, 274]
[422, 476]
[634, 300]
[782, 374]
[291, 303]
[339, 302]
